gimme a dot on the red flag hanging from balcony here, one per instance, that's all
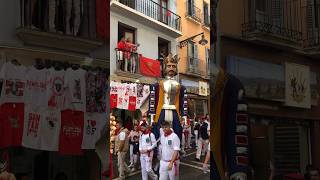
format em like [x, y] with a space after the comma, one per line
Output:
[103, 18]
[149, 67]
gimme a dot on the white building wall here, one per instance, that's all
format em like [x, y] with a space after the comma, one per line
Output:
[145, 36]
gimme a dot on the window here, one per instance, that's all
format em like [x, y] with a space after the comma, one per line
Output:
[206, 18]
[164, 11]
[190, 7]
[207, 55]
[127, 32]
[193, 57]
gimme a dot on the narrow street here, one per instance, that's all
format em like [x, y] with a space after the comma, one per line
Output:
[190, 169]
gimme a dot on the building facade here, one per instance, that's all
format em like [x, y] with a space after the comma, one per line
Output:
[258, 43]
[32, 32]
[194, 57]
[152, 25]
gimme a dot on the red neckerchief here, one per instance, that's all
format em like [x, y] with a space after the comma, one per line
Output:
[168, 133]
[147, 131]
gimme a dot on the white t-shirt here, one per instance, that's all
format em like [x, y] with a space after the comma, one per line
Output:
[122, 136]
[33, 118]
[36, 87]
[133, 134]
[14, 83]
[147, 141]
[56, 89]
[121, 98]
[50, 130]
[93, 125]
[76, 89]
[169, 144]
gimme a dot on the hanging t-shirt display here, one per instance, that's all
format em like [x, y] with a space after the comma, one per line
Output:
[11, 124]
[96, 92]
[121, 104]
[50, 130]
[71, 133]
[93, 125]
[36, 87]
[75, 89]
[113, 94]
[132, 97]
[56, 89]
[13, 87]
[143, 92]
[32, 129]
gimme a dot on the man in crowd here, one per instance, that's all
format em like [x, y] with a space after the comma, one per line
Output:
[122, 147]
[147, 143]
[170, 147]
[203, 139]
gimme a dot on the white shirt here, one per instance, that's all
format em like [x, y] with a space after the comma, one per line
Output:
[36, 87]
[14, 83]
[93, 125]
[56, 89]
[76, 89]
[133, 134]
[50, 130]
[122, 136]
[169, 145]
[147, 142]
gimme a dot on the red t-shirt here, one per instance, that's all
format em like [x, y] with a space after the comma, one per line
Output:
[71, 132]
[121, 45]
[11, 124]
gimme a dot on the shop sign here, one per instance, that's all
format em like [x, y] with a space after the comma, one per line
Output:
[203, 88]
[297, 85]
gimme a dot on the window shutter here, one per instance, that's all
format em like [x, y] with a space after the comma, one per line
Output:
[287, 148]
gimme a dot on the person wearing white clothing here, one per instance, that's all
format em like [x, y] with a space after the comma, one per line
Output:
[170, 147]
[147, 143]
[74, 5]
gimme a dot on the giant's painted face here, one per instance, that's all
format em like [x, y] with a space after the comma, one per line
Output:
[171, 69]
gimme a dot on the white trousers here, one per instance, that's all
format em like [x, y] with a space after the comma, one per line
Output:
[131, 154]
[196, 137]
[76, 24]
[146, 166]
[122, 165]
[202, 147]
[165, 174]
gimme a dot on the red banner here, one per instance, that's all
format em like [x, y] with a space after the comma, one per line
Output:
[149, 67]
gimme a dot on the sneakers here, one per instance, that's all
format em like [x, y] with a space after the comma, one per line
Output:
[198, 160]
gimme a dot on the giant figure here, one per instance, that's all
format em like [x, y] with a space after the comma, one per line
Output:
[168, 99]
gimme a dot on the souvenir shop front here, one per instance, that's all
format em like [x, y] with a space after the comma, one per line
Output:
[53, 116]
[128, 102]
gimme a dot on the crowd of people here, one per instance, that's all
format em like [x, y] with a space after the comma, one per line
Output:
[160, 158]
[127, 55]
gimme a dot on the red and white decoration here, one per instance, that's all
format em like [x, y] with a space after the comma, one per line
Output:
[129, 96]
[46, 109]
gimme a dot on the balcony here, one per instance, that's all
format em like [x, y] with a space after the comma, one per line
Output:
[193, 12]
[149, 13]
[274, 22]
[48, 28]
[127, 64]
[311, 41]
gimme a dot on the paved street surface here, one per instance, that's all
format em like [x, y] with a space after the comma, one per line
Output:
[189, 168]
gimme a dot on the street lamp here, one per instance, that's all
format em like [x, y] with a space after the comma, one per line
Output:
[202, 41]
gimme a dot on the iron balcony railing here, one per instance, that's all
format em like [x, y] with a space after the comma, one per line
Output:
[73, 19]
[312, 37]
[155, 11]
[193, 11]
[127, 61]
[283, 18]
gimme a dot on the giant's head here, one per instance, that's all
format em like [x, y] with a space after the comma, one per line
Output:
[171, 65]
